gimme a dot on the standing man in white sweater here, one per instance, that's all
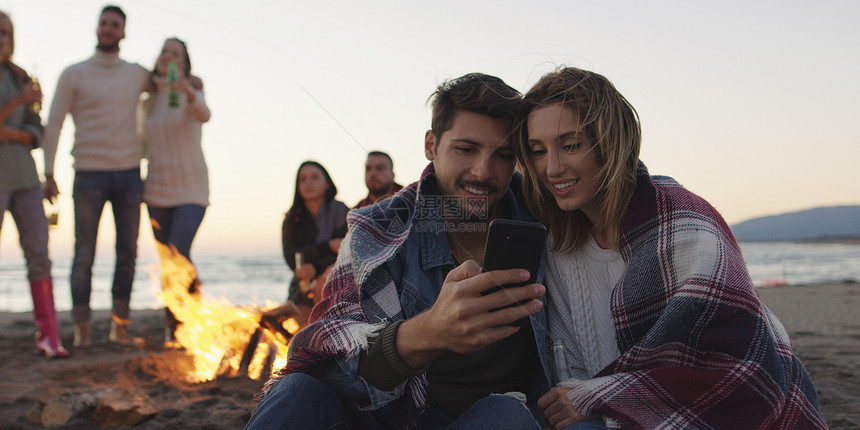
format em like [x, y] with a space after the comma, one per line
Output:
[101, 93]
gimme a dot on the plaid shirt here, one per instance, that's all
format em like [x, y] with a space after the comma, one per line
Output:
[699, 349]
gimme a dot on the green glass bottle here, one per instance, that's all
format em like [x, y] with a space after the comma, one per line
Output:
[172, 76]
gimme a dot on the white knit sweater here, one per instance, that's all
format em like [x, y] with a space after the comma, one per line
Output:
[579, 288]
[101, 94]
[177, 172]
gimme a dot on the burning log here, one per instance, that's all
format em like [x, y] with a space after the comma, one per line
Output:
[275, 324]
[250, 349]
[269, 326]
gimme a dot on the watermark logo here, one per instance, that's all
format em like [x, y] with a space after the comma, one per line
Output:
[450, 227]
[454, 208]
[448, 214]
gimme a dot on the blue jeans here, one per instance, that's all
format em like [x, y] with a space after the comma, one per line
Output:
[176, 226]
[92, 189]
[29, 215]
[300, 401]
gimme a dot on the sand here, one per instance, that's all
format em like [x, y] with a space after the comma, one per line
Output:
[150, 369]
[823, 322]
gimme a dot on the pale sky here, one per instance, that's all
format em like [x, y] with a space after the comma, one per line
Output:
[752, 105]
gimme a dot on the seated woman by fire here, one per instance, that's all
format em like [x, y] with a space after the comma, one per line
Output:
[311, 235]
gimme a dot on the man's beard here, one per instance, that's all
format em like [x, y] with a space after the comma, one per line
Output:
[379, 191]
[108, 48]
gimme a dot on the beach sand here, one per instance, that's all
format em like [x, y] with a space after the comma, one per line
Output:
[823, 322]
[150, 369]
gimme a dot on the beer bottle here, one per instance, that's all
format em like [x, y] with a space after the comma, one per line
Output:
[172, 76]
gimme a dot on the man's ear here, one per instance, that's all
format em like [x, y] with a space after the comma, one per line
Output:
[430, 145]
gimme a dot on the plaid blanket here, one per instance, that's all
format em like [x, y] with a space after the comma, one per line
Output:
[699, 349]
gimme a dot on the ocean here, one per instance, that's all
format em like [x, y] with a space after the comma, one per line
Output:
[263, 280]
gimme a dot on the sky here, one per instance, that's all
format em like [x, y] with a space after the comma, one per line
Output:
[752, 105]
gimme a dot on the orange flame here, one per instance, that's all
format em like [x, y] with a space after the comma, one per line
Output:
[216, 333]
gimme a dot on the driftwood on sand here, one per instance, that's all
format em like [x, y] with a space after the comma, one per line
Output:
[59, 410]
[108, 407]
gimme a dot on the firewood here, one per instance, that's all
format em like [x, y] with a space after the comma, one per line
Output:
[65, 407]
[118, 407]
[270, 361]
[34, 415]
[250, 349]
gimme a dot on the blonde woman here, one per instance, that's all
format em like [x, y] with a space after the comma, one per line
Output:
[650, 306]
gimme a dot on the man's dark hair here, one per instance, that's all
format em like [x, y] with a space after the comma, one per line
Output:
[382, 154]
[114, 9]
[475, 92]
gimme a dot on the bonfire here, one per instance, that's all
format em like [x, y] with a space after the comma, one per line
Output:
[220, 337]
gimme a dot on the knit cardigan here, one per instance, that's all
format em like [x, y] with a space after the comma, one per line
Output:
[699, 349]
[177, 173]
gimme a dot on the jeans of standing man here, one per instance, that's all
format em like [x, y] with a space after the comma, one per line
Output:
[92, 189]
[300, 401]
[29, 215]
[177, 225]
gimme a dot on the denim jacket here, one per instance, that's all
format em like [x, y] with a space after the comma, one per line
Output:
[415, 272]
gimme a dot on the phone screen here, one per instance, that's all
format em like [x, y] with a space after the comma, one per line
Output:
[514, 244]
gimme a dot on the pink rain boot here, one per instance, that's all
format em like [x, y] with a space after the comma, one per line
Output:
[48, 336]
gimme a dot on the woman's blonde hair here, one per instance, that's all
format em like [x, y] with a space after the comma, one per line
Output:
[612, 124]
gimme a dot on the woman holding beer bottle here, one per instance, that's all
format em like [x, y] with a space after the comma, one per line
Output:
[20, 189]
[312, 231]
[176, 190]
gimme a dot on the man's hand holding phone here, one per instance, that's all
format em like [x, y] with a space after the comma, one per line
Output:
[514, 244]
[464, 319]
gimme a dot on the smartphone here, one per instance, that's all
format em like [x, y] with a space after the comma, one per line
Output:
[514, 244]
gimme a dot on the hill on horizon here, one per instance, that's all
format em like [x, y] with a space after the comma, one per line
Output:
[822, 223]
